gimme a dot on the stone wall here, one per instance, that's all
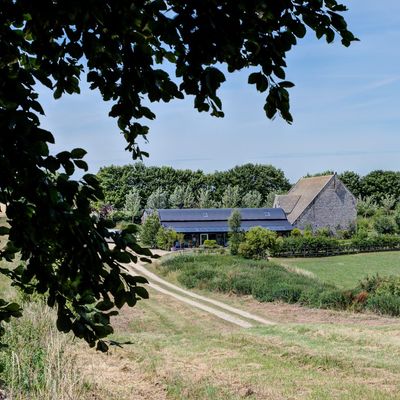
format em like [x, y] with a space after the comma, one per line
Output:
[334, 207]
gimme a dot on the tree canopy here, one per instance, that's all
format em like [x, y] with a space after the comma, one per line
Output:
[125, 50]
[209, 189]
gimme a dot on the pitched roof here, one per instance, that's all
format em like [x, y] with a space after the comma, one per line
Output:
[287, 202]
[301, 196]
[215, 220]
[219, 214]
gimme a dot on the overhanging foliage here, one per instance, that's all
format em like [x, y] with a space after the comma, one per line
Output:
[125, 46]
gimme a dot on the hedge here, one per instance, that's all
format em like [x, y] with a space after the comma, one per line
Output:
[323, 246]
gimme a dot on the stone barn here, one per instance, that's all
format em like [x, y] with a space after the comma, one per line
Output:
[319, 202]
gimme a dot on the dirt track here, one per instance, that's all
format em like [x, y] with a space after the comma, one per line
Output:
[221, 310]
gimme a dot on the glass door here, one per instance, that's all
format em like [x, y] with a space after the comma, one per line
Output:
[203, 237]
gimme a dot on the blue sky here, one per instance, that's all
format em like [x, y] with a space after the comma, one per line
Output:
[345, 106]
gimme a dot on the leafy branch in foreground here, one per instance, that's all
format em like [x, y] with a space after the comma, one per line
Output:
[64, 251]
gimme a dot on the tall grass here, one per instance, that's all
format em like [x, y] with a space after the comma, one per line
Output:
[264, 280]
[38, 362]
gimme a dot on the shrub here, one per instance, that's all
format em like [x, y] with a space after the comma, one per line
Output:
[197, 277]
[385, 224]
[367, 206]
[335, 299]
[384, 303]
[210, 244]
[397, 219]
[310, 297]
[296, 232]
[149, 230]
[370, 283]
[242, 283]
[306, 246]
[166, 238]
[381, 242]
[235, 235]
[324, 232]
[389, 285]
[308, 230]
[119, 215]
[257, 243]
[344, 234]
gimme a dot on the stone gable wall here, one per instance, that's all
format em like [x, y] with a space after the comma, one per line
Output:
[335, 206]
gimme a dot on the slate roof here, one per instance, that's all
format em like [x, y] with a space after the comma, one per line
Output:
[301, 195]
[215, 220]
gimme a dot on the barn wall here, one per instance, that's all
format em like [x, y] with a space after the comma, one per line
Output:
[334, 207]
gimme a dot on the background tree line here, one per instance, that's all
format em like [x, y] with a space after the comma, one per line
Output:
[249, 185]
[376, 185]
[135, 187]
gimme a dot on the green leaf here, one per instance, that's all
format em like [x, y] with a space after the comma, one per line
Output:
[4, 230]
[81, 164]
[105, 305]
[142, 292]
[286, 84]
[78, 153]
[102, 346]
[13, 307]
[63, 323]
[122, 257]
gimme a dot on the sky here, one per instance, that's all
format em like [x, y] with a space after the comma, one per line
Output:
[345, 105]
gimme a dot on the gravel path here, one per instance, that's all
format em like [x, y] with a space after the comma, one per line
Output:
[231, 314]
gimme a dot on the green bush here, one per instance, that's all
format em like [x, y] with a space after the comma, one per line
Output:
[384, 294]
[287, 292]
[197, 277]
[384, 303]
[149, 230]
[389, 285]
[311, 246]
[210, 244]
[381, 242]
[310, 297]
[334, 299]
[307, 246]
[296, 232]
[235, 235]
[241, 283]
[166, 238]
[371, 283]
[258, 242]
[324, 232]
[385, 224]
[118, 216]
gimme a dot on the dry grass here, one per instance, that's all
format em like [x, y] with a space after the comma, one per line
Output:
[39, 362]
[182, 353]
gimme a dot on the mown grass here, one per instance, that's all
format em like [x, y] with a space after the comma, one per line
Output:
[195, 356]
[347, 270]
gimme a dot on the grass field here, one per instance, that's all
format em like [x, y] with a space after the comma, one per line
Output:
[182, 353]
[347, 270]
